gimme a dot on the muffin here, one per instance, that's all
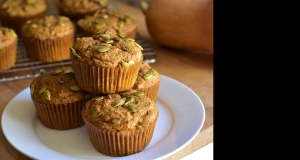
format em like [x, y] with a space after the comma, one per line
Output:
[148, 81]
[57, 98]
[8, 48]
[48, 39]
[108, 20]
[14, 13]
[106, 63]
[120, 124]
[78, 9]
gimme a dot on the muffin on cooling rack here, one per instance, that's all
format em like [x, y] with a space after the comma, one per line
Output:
[148, 81]
[106, 63]
[58, 99]
[8, 48]
[14, 13]
[108, 20]
[48, 39]
[120, 124]
[77, 9]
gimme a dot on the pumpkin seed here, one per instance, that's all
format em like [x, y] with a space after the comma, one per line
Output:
[31, 1]
[131, 62]
[125, 64]
[70, 76]
[136, 44]
[56, 71]
[154, 71]
[120, 33]
[138, 94]
[99, 98]
[28, 21]
[104, 44]
[118, 102]
[42, 90]
[34, 26]
[140, 80]
[128, 100]
[105, 36]
[144, 124]
[62, 24]
[148, 76]
[120, 23]
[109, 41]
[117, 38]
[115, 121]
[100, 25]
[131, 39]
[31, 89]
[131, 108]
[13, 32]
[69, 70]
[75, 88]
[42, 71]
[61, 81]
[103, 3]
[47, 95]
[96, 113]
[12, 13]
[127, 20]
[73, 51]
[103, 48]
[63, 18]
[105, 16]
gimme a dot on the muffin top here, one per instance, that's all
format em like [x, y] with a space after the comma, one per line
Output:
[107, 50]
[82, 6]
[22, 8]
[128, 110]
[146, 77]
[7, 36]
[108, 20]
[57, 87]
[48, 27]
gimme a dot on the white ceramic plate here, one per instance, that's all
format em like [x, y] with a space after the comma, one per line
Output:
[181, 117]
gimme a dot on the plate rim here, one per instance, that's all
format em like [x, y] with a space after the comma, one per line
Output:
[163, 77]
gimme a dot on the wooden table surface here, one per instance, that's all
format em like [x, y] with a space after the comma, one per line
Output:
[194, 69]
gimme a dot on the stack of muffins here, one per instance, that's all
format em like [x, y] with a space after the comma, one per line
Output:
[110, 85]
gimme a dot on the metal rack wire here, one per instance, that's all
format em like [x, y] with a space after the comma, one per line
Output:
[27, 68]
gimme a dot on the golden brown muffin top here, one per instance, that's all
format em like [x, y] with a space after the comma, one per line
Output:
[82, 6]
[108, 20]
[22, 8]
[107, 50]
[48, 27]
[57, 87]
[128, 110]
[7, 36]
[146, 77]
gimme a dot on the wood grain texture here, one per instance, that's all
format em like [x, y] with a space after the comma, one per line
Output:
[194, 69]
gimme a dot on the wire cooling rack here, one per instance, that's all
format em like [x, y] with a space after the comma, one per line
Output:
[27, 68]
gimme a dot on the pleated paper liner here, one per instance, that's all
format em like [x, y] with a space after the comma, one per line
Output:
[118, 144]
[104, 80]
[8, 56]
[49, 50]
[61, 116]
[151, 91]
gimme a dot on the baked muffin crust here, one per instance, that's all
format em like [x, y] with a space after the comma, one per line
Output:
[48, 27]
[124, 111]
[60, 85]
[107, 50]
[22, 8]
[7, 36]
[108, 20]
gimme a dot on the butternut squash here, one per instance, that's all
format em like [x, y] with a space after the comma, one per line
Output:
[183, 24]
